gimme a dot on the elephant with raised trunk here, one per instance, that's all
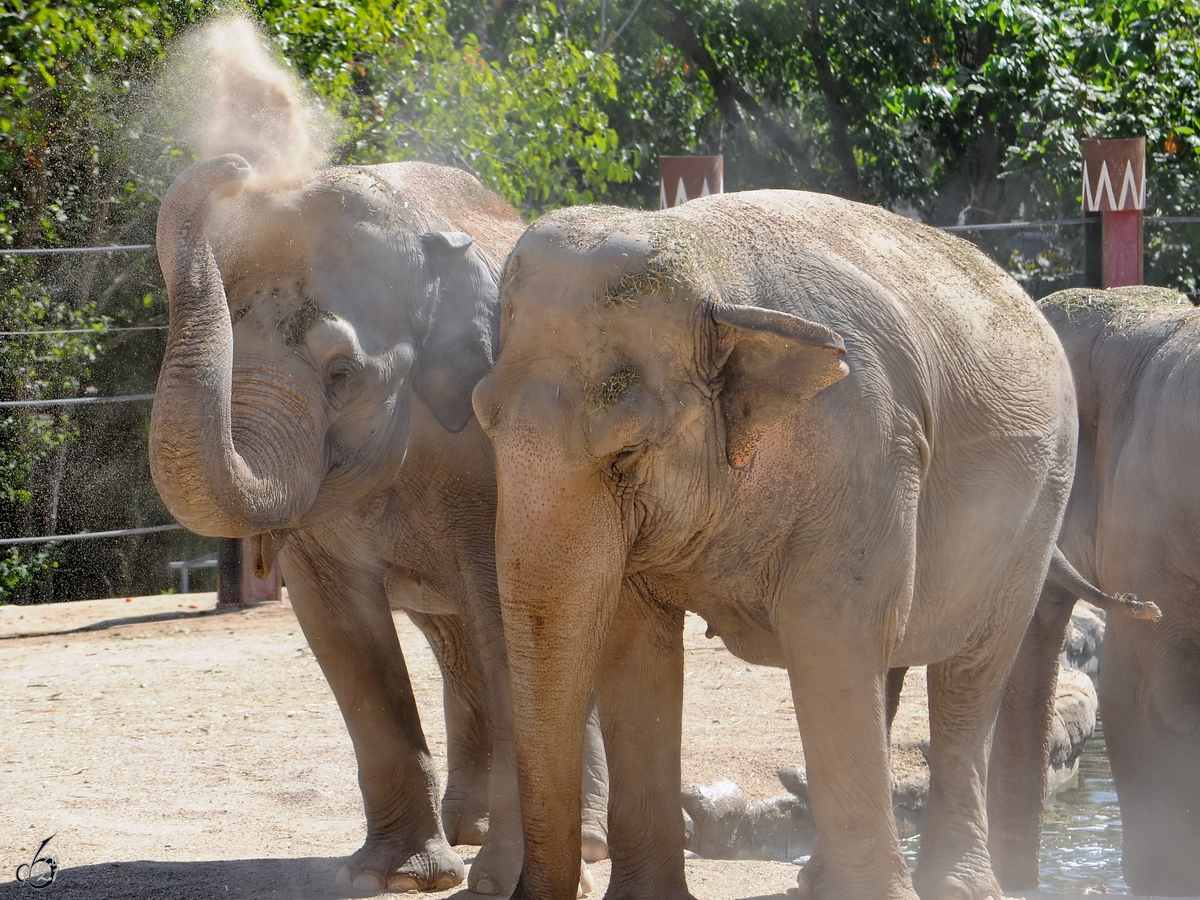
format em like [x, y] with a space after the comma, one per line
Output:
[1133, 525]
[843, 438]
[323, 343]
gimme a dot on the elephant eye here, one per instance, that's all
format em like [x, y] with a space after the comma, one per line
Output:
[621, 462]
[339, 380]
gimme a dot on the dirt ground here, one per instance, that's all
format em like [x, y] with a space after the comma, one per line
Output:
[178, 752]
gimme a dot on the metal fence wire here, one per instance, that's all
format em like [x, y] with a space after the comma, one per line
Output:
[1046, 263]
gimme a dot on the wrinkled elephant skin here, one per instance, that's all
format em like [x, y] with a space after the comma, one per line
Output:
[844, 439]
[320, 337]
[1132, 525]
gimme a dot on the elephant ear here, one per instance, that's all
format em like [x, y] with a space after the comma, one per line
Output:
[776, 362]
[458, 347]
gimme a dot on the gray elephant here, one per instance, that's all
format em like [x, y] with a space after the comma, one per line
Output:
[302, 323]
[843, 438]
[1132, 525]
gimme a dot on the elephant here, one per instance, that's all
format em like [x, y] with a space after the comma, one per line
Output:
[303, 321]
[844, 439]
[1131, 526]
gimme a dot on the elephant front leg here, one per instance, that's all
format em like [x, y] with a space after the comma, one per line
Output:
[353, 638]
[838, 679]
[639, 691]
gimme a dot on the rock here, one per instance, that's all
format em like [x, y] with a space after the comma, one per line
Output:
[1075, 706]
[1081, 649]
[711, 817]
[720, 824]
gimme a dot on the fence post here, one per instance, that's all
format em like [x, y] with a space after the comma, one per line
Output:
[237, 585]
[683, 178]
[229, 572]
[255, 589]
[1114, 196]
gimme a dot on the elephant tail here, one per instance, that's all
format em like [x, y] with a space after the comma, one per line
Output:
[1064, 575]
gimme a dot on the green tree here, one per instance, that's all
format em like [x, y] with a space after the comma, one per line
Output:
[528, 122]
[84, 157]
[47, 366]
[956, 111]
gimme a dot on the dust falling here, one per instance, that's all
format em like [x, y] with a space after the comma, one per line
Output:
[226, 93]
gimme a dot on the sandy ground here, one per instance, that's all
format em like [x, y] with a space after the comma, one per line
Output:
[178, 752]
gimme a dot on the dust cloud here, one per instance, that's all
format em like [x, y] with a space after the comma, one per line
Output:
[224, 92]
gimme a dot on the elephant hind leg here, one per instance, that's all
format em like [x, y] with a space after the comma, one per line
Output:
[964, 695]
[856, 854]
[468, 735]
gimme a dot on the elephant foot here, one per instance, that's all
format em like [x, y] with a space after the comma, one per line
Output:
[963, 885]
[496, 867]
[383, 864]
[495, 871]
[595, 846]
[815, 881]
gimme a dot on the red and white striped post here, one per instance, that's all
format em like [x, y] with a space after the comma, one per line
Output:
[683, 178]
[1114, 195]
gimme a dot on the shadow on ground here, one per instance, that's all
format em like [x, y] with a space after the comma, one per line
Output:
[307, 878]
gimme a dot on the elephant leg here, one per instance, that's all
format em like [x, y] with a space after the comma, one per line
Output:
[468, 734]
[595, 789]
[497, 865]
[895, 686]
[964, 696]
[1150, 707]
[1021, 747]
[839, 692]
[345, 617]
[639, 691]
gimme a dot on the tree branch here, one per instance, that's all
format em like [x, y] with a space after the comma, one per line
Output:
[730, 92]
[839, 120]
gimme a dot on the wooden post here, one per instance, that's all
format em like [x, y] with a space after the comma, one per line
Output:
[683, 178]
[229, 573]
[1114, 195]
[237, 585]
[255, 589]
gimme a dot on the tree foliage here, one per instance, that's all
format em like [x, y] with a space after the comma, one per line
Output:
[526, 122]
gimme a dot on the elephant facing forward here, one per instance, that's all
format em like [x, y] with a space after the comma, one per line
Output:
[302, 324]
[844, 439]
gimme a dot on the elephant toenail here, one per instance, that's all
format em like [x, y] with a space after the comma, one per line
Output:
[404, 882]
[485, 885]
[367, 882]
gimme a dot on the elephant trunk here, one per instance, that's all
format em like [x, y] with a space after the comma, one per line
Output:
[218, 459]
[560, 560]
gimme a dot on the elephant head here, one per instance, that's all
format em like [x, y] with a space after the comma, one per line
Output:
[301, 321]
[627, 390]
